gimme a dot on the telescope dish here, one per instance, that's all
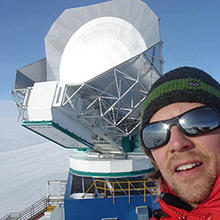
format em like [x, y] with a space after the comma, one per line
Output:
[97, 46]
[87, 41]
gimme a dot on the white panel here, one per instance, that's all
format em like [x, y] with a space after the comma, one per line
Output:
[58, 95]
[90, 166]
[99, 166]
[80, 165]
[139, 164]
[53, 62]
[76, 127]
[121, 166]
[109, 166]
[36, 72]
[40, 101]
[58, 136]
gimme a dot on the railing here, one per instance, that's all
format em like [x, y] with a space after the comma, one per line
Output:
[30, 212]
[47, 203]
[129, 187]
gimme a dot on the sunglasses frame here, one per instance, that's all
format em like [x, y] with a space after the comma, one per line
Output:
[175, 121]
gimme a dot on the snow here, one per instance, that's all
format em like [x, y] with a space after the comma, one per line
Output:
[14, 136]
[27, 161]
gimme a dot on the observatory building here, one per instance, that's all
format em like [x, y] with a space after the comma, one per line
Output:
[86, 95]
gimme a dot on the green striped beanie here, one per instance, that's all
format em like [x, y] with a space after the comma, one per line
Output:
[184, 84]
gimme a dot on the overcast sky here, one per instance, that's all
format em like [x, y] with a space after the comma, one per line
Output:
[189, 29]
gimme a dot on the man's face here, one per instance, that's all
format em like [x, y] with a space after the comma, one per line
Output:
[190, 165]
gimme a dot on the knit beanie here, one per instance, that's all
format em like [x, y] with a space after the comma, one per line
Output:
[184, 84]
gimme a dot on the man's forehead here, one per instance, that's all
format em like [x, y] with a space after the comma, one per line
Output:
[174, 109]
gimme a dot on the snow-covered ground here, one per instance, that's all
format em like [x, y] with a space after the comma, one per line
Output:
[27, 161]
[14, 136]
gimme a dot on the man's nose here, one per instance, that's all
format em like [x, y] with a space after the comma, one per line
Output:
[178, 141]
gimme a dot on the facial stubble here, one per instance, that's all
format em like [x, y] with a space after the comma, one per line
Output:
[192, 190]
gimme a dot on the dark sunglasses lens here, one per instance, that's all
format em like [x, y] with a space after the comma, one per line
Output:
[199, 121]
[155, 135]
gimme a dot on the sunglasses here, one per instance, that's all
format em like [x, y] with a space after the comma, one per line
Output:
[194, 122]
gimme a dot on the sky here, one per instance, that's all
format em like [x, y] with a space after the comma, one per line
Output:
[189, 29]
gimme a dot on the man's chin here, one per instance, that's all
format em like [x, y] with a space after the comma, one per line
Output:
[193, 192]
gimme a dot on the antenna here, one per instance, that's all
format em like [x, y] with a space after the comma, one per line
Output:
[86, 95]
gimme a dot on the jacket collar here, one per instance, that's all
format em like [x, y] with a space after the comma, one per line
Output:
[213, 200]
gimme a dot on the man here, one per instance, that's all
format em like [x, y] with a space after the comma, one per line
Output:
[180, 132]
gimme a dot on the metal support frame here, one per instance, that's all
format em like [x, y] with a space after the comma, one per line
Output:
[116, 113]
[21, 97]
[111, 111]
